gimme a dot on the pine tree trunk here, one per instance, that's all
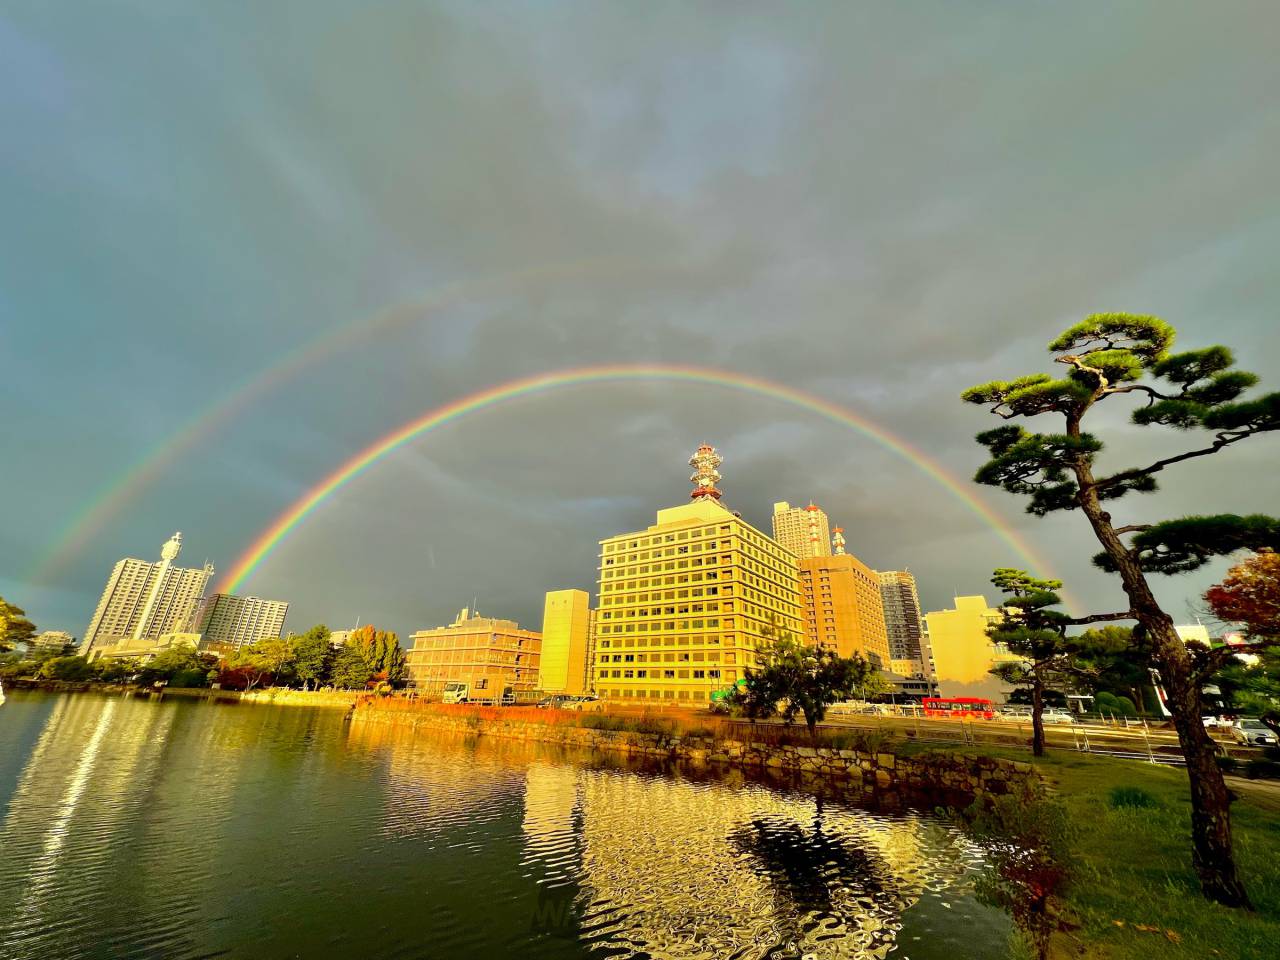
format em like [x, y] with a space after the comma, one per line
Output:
[1212, 852]
[1037, 715]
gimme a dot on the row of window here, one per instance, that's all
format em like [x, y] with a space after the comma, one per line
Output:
[712, 656]
[660, 674]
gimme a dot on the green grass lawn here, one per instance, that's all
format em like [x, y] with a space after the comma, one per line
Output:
[1135, 867]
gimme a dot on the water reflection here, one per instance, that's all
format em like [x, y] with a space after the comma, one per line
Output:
[134, 828]
[640, 862]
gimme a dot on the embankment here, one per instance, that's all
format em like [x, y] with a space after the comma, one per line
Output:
[955, 778]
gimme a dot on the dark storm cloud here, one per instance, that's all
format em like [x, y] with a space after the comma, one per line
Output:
[878, 204]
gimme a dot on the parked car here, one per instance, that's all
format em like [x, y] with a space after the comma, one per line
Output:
[1253, 732]
[1057, 715]
[557, 701]
[586, 704]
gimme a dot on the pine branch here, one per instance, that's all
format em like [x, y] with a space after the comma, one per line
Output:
[1100, 617]
[1224, 439]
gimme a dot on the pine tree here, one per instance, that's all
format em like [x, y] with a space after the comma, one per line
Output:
[1106, 355]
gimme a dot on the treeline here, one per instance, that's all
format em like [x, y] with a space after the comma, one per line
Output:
[369, 658]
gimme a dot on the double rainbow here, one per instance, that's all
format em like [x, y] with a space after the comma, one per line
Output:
[288, 521]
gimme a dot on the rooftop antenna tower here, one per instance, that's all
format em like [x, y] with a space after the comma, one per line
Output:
[705, 475]
[837, 541]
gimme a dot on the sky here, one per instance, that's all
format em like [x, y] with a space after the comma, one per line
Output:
[880, 204]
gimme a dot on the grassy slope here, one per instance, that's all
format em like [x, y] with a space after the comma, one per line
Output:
[1136, 867]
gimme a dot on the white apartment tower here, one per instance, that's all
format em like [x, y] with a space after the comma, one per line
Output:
[805, 531]
[142, 600]
[227, 619]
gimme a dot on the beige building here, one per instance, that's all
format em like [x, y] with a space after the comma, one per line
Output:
[142, 600]
[568, 643]
[227, 620]
[685, 603]
[908, 643]
[484, 652]
[805, 531]
[55, 640]
[842, 607]
[963, 655]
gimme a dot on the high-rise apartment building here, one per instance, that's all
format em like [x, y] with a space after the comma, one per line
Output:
[963, 654]
[842, 607]
[225, 619]
[908, 649]
[686, 603]
[486, 653]
[568, 642]
[142, 600]
[805, 531]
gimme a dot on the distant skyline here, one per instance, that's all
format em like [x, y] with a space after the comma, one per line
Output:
[320, 220]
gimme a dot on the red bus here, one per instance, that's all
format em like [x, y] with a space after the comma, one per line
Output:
[959, 708]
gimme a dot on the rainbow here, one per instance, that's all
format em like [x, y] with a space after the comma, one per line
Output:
[288, 521]
[125, 487]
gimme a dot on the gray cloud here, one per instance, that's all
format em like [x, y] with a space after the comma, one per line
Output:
[878, 205]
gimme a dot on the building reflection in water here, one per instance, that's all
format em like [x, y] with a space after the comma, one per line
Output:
[641, 863]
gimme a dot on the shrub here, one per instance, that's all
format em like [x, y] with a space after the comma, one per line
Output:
[1262, 769]
[1133, 797]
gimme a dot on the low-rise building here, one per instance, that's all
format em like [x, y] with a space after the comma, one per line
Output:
[963, 654]
[486, 653]
[51, 641]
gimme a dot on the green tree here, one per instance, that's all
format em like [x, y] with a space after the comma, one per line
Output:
[66, 668]
[351, 670]
[168, 663]
[1106, 355]
[1112, 660]
[1031, 629]
[797, 678]
[278, 655]
[313, 656]
[14, 626]
[381, 651]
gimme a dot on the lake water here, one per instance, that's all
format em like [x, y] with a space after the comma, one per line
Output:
[184, 829]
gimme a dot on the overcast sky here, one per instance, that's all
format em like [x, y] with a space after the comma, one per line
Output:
[878, 203]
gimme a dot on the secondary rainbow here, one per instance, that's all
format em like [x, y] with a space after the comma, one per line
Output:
[304, 506]
[110, 501]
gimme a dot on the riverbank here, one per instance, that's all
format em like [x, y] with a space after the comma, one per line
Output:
[861, 764]
[279, 696]
[1136, 895]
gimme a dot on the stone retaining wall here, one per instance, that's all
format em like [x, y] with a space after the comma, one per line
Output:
[954, 776]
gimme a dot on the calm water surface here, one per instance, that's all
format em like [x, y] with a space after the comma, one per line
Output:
[183, 829]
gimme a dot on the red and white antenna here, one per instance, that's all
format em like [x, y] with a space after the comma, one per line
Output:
[705, 475]
[837, 540]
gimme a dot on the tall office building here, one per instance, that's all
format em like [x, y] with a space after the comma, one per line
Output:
[963, 654]
[805, 531]
[568, 640]
[142, 600]
[685, 603]
[225, 619]
[903, 623]
[484, 652]
[842, 607]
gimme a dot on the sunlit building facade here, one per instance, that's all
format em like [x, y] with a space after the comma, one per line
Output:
[142, 600]
[224, 620]
[685, 604]
[842, 607]
[568, 642]
[963, 654]
[805, 531]
[486, 653]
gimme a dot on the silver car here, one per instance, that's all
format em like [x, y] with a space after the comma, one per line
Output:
[1254, 733]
